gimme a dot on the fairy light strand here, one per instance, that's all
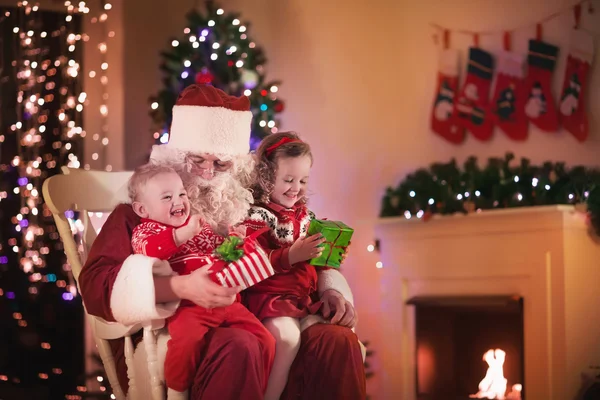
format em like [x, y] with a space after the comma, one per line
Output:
[50, 103]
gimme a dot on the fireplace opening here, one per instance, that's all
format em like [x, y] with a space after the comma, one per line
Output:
[454, 337]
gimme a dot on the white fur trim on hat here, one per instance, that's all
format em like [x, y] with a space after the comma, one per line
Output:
[212, 130]
[132, 300]
[448, 62]
[511, 64]
[581, 45]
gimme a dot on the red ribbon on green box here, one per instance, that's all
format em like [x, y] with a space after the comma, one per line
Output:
[337, 237]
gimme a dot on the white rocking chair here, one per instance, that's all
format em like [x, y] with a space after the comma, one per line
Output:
[99, 191]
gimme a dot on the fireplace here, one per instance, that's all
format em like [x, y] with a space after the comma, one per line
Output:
[521, 280]
[452, 335]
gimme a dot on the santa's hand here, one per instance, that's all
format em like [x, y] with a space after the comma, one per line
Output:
[344, 312]
[202, 291]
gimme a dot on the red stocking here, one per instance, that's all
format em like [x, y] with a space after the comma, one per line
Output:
[472, 106]
[442, 116]
[572, 111]
[509, 96]
[540, 107]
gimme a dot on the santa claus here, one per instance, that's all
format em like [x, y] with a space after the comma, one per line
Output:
[209, 147]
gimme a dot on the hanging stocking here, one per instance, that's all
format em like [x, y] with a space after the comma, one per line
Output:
[471, 108]
[442, 117]
[509, 96]
[572, 111]
[540, 107]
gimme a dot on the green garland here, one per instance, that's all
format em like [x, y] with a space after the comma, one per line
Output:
[445, 188]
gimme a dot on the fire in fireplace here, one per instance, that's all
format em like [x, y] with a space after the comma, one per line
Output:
[452, 334]
[493, 385]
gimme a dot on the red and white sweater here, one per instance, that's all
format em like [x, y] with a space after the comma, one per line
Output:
[285, 225]
[154, 239]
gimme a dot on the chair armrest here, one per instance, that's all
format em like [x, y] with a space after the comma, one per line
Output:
[114, 330]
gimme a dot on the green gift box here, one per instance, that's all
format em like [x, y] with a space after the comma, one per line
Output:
[337, 237]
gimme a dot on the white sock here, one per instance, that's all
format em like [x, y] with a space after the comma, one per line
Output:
[173, 394]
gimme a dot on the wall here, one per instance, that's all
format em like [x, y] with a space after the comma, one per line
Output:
[358, 80]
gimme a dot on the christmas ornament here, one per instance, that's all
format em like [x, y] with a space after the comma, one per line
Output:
[279, 106]
[540, 108]
[471, 107]
[427, 215]
[204, 77]
[249, 79]
[572, 110]
[508, 102]
[469, 206]
[442, 117]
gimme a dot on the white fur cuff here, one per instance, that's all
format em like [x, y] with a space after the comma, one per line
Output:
[133, 300]
[333, 279]
[581, 45]
[448, 62]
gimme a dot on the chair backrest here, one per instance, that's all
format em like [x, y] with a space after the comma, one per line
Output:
[89, 192]
[86, 192]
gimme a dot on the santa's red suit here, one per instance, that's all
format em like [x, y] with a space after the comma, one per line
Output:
[118, 285]
[289, 292]
[190, 323]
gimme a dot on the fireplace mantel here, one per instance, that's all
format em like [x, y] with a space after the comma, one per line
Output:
[543, 254]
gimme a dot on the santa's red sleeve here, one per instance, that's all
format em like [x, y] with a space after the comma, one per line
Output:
[116, 284]
[154, 240]
[279, 257]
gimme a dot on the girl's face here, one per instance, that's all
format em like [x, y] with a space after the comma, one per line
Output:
[291, 180]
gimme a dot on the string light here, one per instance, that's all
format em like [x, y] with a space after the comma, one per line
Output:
[49, 102]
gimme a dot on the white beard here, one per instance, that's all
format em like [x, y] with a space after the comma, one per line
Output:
[222, 201]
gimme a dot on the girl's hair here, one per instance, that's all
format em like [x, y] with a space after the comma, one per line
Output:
[266, 162]
[141, 176]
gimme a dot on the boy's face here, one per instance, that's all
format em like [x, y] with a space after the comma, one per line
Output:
[164, 199]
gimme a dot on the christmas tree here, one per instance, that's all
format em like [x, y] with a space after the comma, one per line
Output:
[216, 49]
[41, 103]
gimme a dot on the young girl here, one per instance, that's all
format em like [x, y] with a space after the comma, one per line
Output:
[167, 231]
[284, 301]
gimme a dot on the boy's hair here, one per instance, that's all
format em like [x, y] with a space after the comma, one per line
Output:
[141, 176]
[266, 162]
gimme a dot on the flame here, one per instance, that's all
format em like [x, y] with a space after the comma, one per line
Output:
[493, 385]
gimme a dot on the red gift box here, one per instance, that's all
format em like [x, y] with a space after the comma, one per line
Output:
[252, 268]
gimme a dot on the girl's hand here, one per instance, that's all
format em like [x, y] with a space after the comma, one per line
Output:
[345, 253]
[306, 248]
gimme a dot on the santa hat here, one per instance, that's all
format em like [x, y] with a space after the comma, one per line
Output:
[207, 120]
